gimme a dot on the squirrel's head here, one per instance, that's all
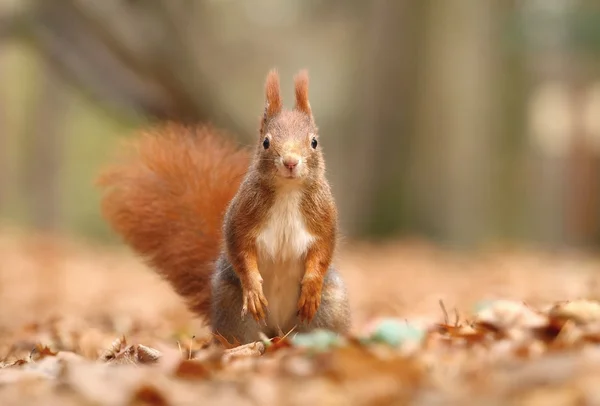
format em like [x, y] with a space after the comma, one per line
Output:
[288, 147]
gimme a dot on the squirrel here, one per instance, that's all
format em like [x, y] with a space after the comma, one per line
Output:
[246, 239]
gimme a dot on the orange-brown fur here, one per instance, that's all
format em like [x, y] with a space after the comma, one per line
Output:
[195, 206]
[301, 90]
[256, 194]
[168, 199]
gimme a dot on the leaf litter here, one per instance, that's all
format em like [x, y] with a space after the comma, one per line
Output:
[531, 350]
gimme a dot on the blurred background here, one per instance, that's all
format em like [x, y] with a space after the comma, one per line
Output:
[465, 122]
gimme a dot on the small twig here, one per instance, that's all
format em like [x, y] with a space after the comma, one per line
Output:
[180, 350]
[31, 353]
[446, 319]
[289, 332]
[191, 344]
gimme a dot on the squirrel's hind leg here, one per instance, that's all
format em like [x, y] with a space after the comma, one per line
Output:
[226, 307]
[334, 312]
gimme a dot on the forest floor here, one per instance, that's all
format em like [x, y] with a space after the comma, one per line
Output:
[88, 325]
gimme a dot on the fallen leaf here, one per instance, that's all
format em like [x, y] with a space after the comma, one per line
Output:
[147, 395]
[116, 347]
[247, 350]
[147, 355]
[40, 352]
[578, 311]
[192, 369]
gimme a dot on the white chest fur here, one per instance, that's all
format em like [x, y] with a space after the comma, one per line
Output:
[282, 246]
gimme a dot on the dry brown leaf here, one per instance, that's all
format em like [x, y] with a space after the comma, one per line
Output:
[121, 353]
[579, 311]
[40, 352]
[148, 395]
[135, 354]
[514, 352]
[192, 369]
[15, 363]
[247, 350]
[147, 355]
[507, 314]
[125, 356]
[117, 346]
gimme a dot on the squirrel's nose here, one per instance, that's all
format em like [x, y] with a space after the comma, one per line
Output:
[290, 162]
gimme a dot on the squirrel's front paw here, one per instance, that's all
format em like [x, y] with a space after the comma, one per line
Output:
[254, 300]
[310, 299]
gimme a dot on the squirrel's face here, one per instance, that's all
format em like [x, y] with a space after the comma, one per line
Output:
[289, 145]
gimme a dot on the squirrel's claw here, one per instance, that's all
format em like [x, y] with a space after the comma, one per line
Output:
[255, 302]
[309, 302]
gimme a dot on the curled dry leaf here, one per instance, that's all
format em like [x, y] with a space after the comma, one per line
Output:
[15, 363]
[40, 352]
[126, 356]
[248, 350]
[116, 347]
[507, 314]
[579, 311]
[147, 355]
[121, 353]
[135, 354]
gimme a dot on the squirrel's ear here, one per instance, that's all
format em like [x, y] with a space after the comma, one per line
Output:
[301, 85]
[273, 97]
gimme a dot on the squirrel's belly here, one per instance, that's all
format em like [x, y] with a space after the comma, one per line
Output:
[281, 287]
[282, 245]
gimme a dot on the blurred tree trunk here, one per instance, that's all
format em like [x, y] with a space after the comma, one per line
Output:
[453, 162]
[564, 183]
[582, 197]
[564, 192]
[4, 150]
[42, 161]
[375, 193]
[583, 193]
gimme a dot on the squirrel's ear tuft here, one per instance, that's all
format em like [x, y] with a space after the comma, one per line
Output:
[273, 97]
[301, 85]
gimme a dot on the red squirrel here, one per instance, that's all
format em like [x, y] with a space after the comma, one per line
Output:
[237, 234]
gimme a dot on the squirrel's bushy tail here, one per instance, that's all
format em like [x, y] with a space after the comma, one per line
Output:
[168, 199]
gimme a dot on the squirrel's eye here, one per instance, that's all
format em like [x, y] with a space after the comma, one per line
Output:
[313, 143]
[266, 143]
